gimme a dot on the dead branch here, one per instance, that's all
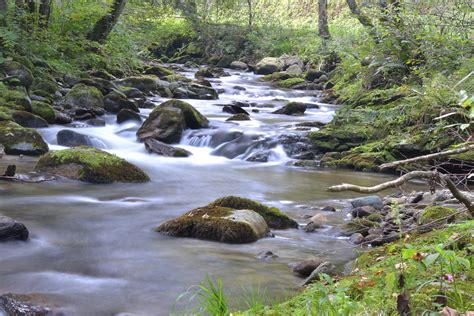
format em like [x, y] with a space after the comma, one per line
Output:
[458, 194]
[428, 157]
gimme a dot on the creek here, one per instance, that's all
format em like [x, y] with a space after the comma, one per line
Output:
[93, 248]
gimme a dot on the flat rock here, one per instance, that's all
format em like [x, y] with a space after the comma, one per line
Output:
[162, 149]
[371, 200]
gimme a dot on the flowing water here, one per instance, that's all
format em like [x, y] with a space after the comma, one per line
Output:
[93, 248]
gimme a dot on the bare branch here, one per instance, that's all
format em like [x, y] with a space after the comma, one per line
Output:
[428, 157]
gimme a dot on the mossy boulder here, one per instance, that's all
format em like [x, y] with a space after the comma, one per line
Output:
[288, 83]
[193, 90]
[14, 99]
[358, 225]
[90, 165]
[116, 101]
[43, 110]
[85, 97]
[159, 71]
[338, 139]
[165, 124]
[19, 71]
[103, 85]
[146, 84]
[18, 140]
[437, 214]
[48, 86]
[239, 117]
[218, 223]
[27, 119]
[268, 66]
[272, 215]
[192, 118]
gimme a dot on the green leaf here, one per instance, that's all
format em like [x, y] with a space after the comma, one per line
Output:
[430, 259]
[408, 253]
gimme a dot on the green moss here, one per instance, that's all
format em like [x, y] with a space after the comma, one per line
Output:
[43, 110]
[375, 217]
[272, 215]
[192, 117]
[277, 76]
[358, 225]
[434, 213]
[239, 117]
[175, 78]
[371, 288]
[21, 141]
[96, 166]
[46, 86]
[209, 223]
[288, 83]
[85, 96]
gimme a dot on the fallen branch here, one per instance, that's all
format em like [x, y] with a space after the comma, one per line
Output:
[428, 157]
[458, 194]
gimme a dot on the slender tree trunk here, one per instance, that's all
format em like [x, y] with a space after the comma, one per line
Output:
[44, 12]
[32, 6]
[249, 4]
[105, 25]
[323, 20]
[363, 19]
[3, 6]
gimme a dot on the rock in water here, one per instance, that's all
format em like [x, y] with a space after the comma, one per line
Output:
[239, 117]
[167, 122]
[238, 65]
[305, 267]
[218, 224]
[325, 268]
[12, 230]
[70, 138]
[18, 140]
[273, 216]
[90, 165]
[162, 149]
[85, 98]
[292, 108]
[126, 115]
[26, 305]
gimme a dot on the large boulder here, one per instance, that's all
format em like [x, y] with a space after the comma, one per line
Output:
[238, 65]
[162, 149]
[85, 97]
[159, 71]
[103, 85]
[165, 124]
[18, 140]
[268, 66]
[192, 118]
[43, 110]
[27, 119]
[305, 267]
[90, 165]
[70, 138]
[126, 115]
[273, 216]
[217, 223]
[12, 230]
[292, 108]
[146, 84]
[20, 72]
[371, 200]
[116, 101]
[183, 90]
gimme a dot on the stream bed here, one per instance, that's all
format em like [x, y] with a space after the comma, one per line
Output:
[93, 248]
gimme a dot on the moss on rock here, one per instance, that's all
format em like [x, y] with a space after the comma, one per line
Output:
[217, 223]
[90, 165]
[21, 141]
[358, 225]
[83, 96]
[288, 83]
[43, 110]
[272, 215]
[437, 214]
[192, 118]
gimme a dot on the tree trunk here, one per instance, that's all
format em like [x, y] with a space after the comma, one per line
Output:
[44, 12]
[3, 7]
[105, 25]
[32, 6]
[363, 19]
[250, 16]
[323, 20]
